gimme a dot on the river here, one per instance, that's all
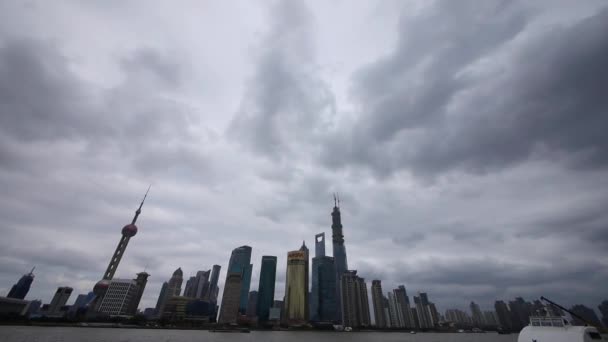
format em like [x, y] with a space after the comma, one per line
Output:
[74, 334]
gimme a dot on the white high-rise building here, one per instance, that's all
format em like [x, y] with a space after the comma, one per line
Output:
[118, 298]
[394, 310]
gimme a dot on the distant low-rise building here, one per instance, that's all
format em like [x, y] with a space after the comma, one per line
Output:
[13, 306]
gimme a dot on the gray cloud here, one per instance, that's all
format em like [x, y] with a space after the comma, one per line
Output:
[447, 98]
[285, 102]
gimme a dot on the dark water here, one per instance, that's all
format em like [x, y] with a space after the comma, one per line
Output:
[62, 334]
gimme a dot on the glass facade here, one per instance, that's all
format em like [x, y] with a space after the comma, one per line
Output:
[323, 291]
[266, 287]
[240, 263]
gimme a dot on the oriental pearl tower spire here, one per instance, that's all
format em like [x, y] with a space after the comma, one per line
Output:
[128, 232]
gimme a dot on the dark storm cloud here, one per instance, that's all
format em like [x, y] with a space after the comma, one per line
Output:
[426, 109]
[285, 101]
[40, 97]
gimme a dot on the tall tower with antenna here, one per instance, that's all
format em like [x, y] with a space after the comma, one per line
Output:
[128, 232]
[339, 253]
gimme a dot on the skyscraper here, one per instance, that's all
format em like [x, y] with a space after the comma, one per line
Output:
[476, 315]
[231, 298]
[404, 303]
[213, 288]
[323, 291]
[128, 232]
[240, 263]
[173, 289]
[59, 299]
[504, 315]
[355, 305]
[604, 310]
[201, 284]
[395, 313]
[21, 288]
[587, 313]
[339, 250]
[296, 287]
[175, 283]
[252, 304]
[119, 296]
[266, 287]
[161, 297]
[140, 283]
[378, 302]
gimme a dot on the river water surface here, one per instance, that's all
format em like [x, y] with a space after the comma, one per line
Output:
[68, 334]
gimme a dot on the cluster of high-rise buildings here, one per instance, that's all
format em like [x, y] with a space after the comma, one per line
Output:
[322, 292]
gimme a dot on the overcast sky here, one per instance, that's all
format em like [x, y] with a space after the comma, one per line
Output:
[468, 141]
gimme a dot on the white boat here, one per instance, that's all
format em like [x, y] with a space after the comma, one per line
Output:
[412, 332]
[557, 329]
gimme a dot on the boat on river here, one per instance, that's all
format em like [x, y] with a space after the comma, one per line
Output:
[557, 329]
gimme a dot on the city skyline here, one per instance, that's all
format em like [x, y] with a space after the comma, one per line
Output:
[471, 172]
[360, 307]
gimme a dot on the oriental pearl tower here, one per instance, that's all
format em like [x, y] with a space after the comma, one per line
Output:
[128, 232]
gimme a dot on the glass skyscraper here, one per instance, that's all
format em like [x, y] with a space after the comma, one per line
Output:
[22, 287]
[323, 291]
[296, 287]
[240, 264]
[339, 254]
[266, 287]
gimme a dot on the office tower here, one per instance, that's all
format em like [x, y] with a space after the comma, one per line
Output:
[59, 299]
[161, 297]
[323, 291]
[20, 289]
[128, 232]
[355, 305]
[240, 263]
[520, 313]
[604, 310]
[320, 245]
[140, 283]
[189, 291]
[173, 289]
[385, 308]
[296, 286]
[586, 313]
[266, 287]
[490, 318]
[80, 304]
[423, 310]
[504, 315]
[415, 317]
[245, 289]
[201, 284]
[476, 315]
[404, 303]
[252, 303]
[339, 250]
[231, 298]
[434, 314]
[34, 307]
[395, 313]
[213, 288]
[119, 296]
[175, 283]
[378, 302]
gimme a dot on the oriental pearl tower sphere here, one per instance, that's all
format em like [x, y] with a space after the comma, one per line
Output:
[128, 232]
